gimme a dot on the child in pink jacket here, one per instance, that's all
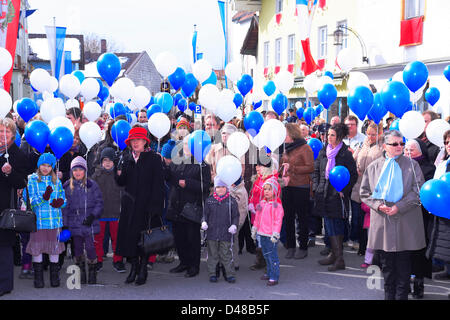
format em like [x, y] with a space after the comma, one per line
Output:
[267, 224]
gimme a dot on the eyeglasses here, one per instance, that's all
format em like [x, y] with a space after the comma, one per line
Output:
[446, 142]
[396, 144]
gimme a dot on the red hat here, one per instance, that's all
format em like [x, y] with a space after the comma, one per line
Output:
[137, 133]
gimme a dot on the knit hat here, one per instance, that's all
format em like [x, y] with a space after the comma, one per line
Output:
[228, 128]
[137, 133]
[107, 153]
[78, 162]
[265, 162]
[273, 183]
[183, 123]
[219, 183]
[47, 158]
[167, 148]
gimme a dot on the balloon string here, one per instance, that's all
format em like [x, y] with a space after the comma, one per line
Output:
[415, 176]
[6, 146]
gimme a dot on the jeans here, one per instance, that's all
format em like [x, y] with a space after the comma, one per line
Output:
[334, 226]
[270, 253]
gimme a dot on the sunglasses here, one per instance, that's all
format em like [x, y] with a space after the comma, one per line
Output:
[446, 142]
[396, 144]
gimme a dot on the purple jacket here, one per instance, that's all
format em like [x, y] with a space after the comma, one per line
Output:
[81, 204]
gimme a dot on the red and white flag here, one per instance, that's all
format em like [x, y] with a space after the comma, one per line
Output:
[9, 25]
[305, 13]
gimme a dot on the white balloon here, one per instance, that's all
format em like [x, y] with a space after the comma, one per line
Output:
[39, 102]
[61, 122]
[166, 63]
[226, 110]
[299, 104]
[90, 88]
[123, 89]
[322, 81]
[257, 141]
[39, 79]
[226, 95]
[69, 85]
[92, 110]
[90, 134]
[233, 71]
[133, 119]
[52, 108]
[5, 103]
[357, 79]
[273, 134]
[209, 96]
[72, 103]
[311, 83]
[47, 95]
[284, 81]
[238, 144]
[15, 105]
[412, 124]
[398, 76]
[5, 61]
[347, 59]
[159, 124]
[141, 97]
[229, 169]
[52, 84]
[202, 70]
[435, 131]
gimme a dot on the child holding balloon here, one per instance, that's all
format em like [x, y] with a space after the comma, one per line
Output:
[47, 197]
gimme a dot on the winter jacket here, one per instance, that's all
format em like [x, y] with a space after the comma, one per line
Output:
[327, 201]
[47, 216]
[111, 193]
[81, 203]
[269, 218]
[300, 158]
[404, 230]
[220, 215]
[257, 193]
[239, 193]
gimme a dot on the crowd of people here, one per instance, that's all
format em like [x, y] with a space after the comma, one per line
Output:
[282, 196]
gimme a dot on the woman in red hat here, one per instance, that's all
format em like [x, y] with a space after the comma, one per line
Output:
[142, 201]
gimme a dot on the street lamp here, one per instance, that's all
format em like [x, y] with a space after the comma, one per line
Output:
[338, 35]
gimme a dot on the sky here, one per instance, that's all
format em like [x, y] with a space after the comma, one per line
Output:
[137, 25]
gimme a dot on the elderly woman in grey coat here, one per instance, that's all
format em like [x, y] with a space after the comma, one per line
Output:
[390, 187]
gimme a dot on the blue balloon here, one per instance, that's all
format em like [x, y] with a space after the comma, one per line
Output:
[199, 144]
[434, 196]
[300, 113]
[269, 88]
[18, 140]
[177, 97]
[432, 95]
[447, 72]
[103, 93]
[189, 85]
[211, 80]
[79, 74]
[446, 177]
[36, 134]
[415, 75]
[238, 99]
[327, 95]
[279, 103]
[100, 83]
[129, 118]
[360, 100]
[165, 100]
[316, 145]
[329, 74]
[395, 125]
[154, 108]
[309, 115]
[395, 97]
[245, 84]
[117, 109]
[60, 141]
[182, 105]
[119, 133]
[339, 177]
[27, 109]
[108, 66]
[152, 101]
[64, 235]
[253, 122]
[100, 102]
[257, 105]
[177, 78]
[378, 110]
[192, 106]
[318, 109]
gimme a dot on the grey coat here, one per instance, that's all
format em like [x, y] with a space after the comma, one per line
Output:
[404, 230]
[220, 216]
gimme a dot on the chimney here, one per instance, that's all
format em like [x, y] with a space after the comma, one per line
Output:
[103, 46]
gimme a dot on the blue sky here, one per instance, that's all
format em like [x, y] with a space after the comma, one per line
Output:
[137, 25]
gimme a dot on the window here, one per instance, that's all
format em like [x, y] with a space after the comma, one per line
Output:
[322, 42]
[278, 6]
[291, 49]
[414, 8]
[266, 54]
[278, 52]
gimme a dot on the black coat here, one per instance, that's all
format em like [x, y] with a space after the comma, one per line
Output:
[16, 180]
[220, 216]
[327, 199]
[192, 193]
[142, 200]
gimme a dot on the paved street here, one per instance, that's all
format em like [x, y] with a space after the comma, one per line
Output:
[300, 280]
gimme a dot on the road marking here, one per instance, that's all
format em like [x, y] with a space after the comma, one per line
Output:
[327, 285]
[349, 275]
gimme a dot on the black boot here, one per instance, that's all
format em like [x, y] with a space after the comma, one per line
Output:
[142, 272]
[82, 265]
[133, 271]
[418, 288]
[38, 274]
[260, 262]
[54, 275]
[338, 249]
[92, 276]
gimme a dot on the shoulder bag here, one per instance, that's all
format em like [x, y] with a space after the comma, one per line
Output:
[156, 240]
[18, 220]
[192, 212]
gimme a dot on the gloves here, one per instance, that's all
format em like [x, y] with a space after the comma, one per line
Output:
[251, 208]
[88, 221]
[204, 226]
[57, 203]
[232, 229]
[47, 193]
[254, 233]
[275, 237]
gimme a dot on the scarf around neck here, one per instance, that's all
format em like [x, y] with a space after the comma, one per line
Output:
[219, 198]
[390, 182]
[331, 155]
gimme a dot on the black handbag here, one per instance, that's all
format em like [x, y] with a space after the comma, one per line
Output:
[156, 240]
[18, 220]
[192, 212]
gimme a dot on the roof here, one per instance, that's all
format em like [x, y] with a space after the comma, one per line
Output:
[250, 44]
[127, 60]
[243, 16]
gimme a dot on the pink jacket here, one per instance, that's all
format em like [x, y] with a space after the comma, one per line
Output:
[269, 217]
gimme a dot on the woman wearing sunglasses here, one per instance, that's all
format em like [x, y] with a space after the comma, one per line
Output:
[391, 189]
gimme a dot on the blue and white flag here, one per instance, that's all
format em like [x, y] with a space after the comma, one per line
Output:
[56, 37]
